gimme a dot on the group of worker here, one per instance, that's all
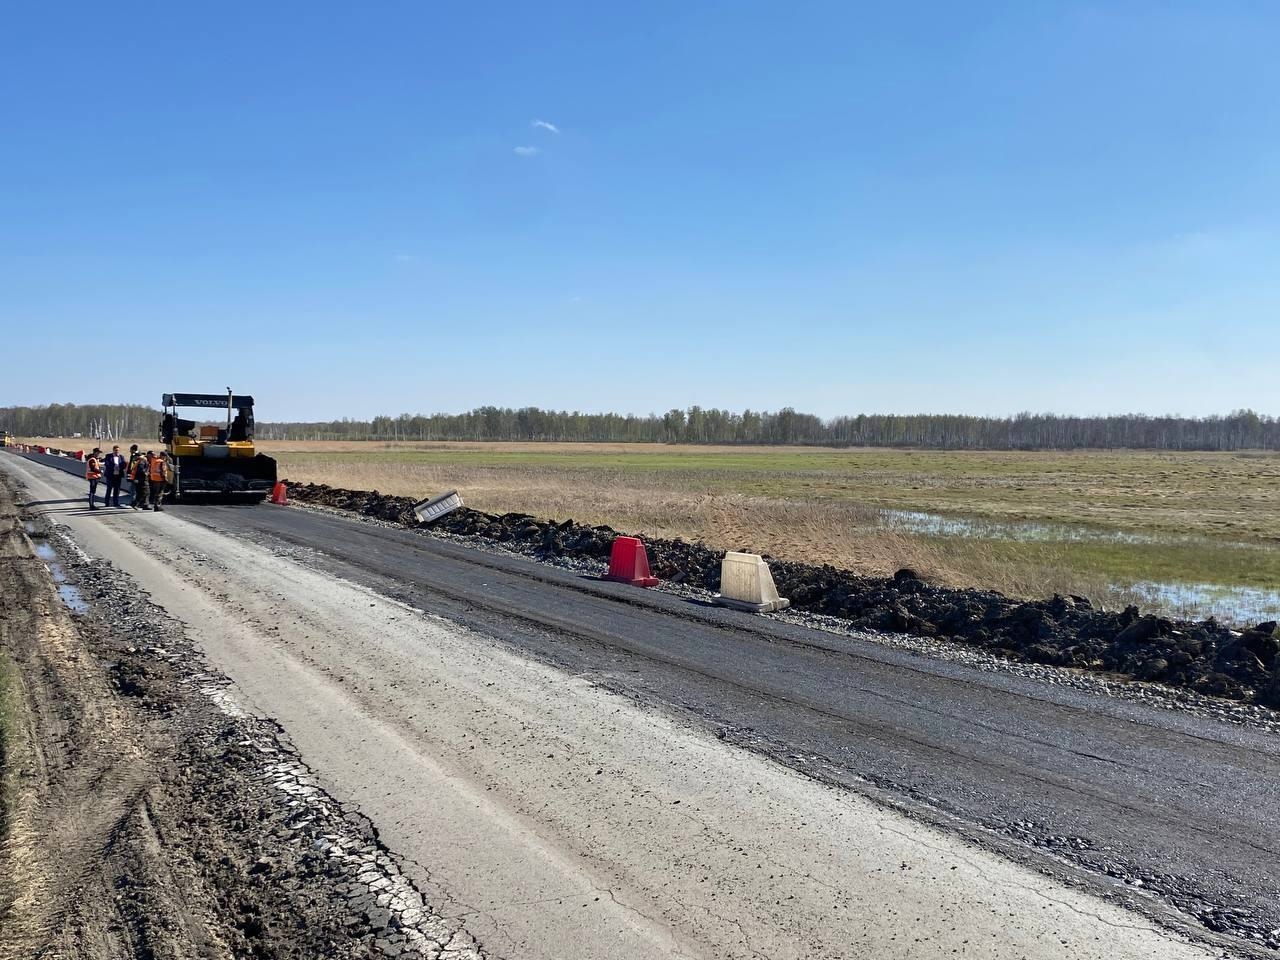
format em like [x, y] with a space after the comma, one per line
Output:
[150, 475]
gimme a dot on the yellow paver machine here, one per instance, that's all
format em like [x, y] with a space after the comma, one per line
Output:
[212, 460]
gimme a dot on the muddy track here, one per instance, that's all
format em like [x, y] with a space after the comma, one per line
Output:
[151, 817]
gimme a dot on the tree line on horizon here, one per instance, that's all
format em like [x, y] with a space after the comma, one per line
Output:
[104, 421]
[1241, 430]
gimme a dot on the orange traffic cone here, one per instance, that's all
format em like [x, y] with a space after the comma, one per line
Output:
[280, 494]
[629, 563]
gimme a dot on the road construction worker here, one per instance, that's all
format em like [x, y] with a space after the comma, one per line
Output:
[157, 478]
[139, 477]
[93, 473]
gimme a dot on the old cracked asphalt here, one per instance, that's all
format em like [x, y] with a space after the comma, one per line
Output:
[562, 760]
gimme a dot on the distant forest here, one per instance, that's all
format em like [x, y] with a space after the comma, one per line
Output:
[1242, 430]
[101, 420]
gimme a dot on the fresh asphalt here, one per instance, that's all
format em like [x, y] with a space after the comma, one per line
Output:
[1124, 798]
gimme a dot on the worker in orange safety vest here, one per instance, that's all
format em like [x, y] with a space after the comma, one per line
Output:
[93, 473]
[158, 476]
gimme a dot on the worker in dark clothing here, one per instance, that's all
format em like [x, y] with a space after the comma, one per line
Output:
[113, 467]
[140, 477]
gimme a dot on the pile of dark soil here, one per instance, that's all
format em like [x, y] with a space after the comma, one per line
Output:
[1204, 656]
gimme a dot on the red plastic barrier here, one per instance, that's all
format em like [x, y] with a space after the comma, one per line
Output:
[629, 563]
[280, 494]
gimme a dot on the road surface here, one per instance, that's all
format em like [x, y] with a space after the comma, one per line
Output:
[585, 769]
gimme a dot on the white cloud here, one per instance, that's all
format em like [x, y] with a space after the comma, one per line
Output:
[544, 125]
[527, 151]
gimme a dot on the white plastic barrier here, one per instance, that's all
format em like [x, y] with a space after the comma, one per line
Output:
[747, 584]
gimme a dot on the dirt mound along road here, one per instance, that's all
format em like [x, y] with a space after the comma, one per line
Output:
[147, 817]
[1203, 656]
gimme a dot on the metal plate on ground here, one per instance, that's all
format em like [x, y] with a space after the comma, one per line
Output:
[436, 507]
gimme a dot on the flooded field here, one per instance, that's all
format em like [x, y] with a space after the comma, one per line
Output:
[1227, 601]
[1240, 605]
[935, 525]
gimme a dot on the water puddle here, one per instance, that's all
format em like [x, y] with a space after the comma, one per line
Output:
[1027, 531]
[71, 597]
[1244, 605]
[69, 593]
[1231, 604]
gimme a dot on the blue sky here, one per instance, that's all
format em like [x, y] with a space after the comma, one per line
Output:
[352, 209]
